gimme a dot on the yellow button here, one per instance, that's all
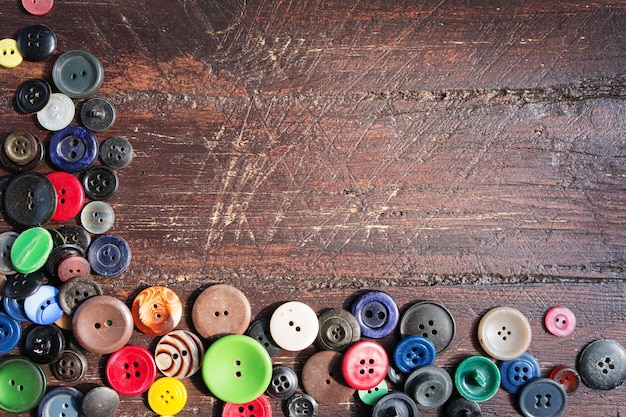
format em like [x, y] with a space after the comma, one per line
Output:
[10, 56]
[167, 396]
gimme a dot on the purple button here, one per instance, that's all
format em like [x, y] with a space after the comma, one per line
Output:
[377, 314]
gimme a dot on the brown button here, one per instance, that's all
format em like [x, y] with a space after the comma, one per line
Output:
[220, 310]
[102, 324]
[73, 266]
[157, 311]
[322, 378]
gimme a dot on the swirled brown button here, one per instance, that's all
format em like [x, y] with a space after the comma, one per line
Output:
[102, 324]
[157, 310]
[220, 310]
[179, 354]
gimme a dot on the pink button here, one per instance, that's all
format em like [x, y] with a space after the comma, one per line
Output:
[38, 7]
[560, 321]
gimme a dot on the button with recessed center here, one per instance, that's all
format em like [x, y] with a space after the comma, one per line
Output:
[102, 324]
[32, 95]
[338, 329]
[71, 367]
[560, 321]
[395, 404]
[430, 386]
[97, 217]
[6, 243]
[20, 286]
[219, 310]
[259, 330]
[372, 395]
[38, 7]
[322, 378]
[97, 114]
[504, 333]
[259, 407]
[116, 152]
[515, 373]
[167, 396]
[567, 377]
[73, 149]
[77, 73]
[157, 310]
[21, 151]
[131, 370]
[294, 326]
[58, 112]
[365, 364]
[42, 307]
[61, 402]
[377, 314]
[602, 364]
[10, 55]
[100, 182]
[75, 291]
[413, 352]
[10, 333]
[44, 344]
[542, 397]
[284, 382]
[109, 255]
[477, 378]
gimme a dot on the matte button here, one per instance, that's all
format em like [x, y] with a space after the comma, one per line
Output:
[30, 200]
[372, 395]
[36, 42]
[10, 56]
[61, 402]
[100, 402]
[73, 266]
[429, 319]
[395, 376]
[100, 182]
[76, 235]
[73, 149]
[6, 243]
[32, 95]
[259, 407]
[75, 291]
[131, 370]
[322, 378]
[602, 364]
[377, 314]
[167, 396]
[179, 354]
[260, 331]
[560, 321]
[116, 152]
[109, 255]
[97, 217]
[14, 309]
[77, 73]
[44, 344]
[461, 407]
[71, 367]
[413, 352]
[395, 404]
[31, 249]
[97, 114]
[10, 333]
[236, 369]
[515, 373]
[430, 386]
[21, 151]
[567, 377]
[542, 397]
[38, 7]
[284, 382]
[477, 378]
[102, 324]
[42, 307]
[504, 333]
[23, 385]
[58, 254]
[20, 286]
[338, 329]
[58, 113]
[156, 310]
[220, 310]
[365, 364]
[70, 195]
[294, 326]
[300, 405]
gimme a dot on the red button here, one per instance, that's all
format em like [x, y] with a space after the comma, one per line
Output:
[38, 7]
[70, 195]
[567, 377]
[365, 364]
[259, 407]
[131, 370]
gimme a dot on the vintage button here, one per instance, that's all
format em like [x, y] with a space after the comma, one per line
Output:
[97, 217]
[477, 378]
[300, 405]
[365, 364]
[73, 149]
[429, 319]
[36, 42]
[60, 253]
[167, 396]
[61, 402]
[322, 378]
[109, 255]
[461, 407]
[77, 73]
[542, 397]
[42, 307]
[44, 344]
[23, 384]
[21, 151]
[73, 266]
[338, 329]
[236, 369]
[30, 200]
[97, 114]
[179, 354]
[75, 291]
[10, 333]
[32, 95]
[30, 250]
[430, 386]
[100, 402]
[395, 404]
[377, 314]
[412, 352]
[515, 373]
[156, 310]
[20, 286]
[219, 310]
[294, 326]
[38, 7]
[70, 195]
[6, 243]
[504, 333]
[100, 182]
[102, 324]
[58, 112]
[284, 382]
[567, 377]
[71, 367]
[116, 152]
[395, 376]
[14, 309]
[10, 56]
[57, 238]
[76, 235]
[560, 321]
[602, 364]
[260, 331]
[259, 407]
[372, 395]
[131, 370]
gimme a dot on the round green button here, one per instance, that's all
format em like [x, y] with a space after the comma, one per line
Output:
[371, 396]
[477, 378]
[236, 369]
[22, 385]
[31, 249]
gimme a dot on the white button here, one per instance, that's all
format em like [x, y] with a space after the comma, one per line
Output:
[294, 326]
[58, 113]
[504, 333]
[97, 217]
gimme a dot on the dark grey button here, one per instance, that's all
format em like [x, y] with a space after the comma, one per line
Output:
[6, 243]
[44, 344]
[30, 199]
[97, 114]
[542, 397]
[602, 364]
[338, 329]
[57, 238]
[77, 74]
[71, 366]
[260, 331]
[395, 377]
[100, 182]
[116, 152]
[100, 402]
[284, 382]
[431, 320]
[76, 235]
[73, 292]
[395, 404]
[460, 407]
[20, 286]
[430, 386]
[300, 405]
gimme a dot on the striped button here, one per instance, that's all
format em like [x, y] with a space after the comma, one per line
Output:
[179, 354]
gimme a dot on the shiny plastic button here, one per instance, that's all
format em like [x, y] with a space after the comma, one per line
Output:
[220, 310]
[477, 378]
[38, 7]
[32, 95]
[58, 113]
[102, 324]
[75, 291]
[31, 249]
[284, 382]
[179, 354]
[461, 407]
[260, 331]
[377, 314]
[365, 364]
[109, 255]
[338, 329]
[294, 326]
[300, 405]
[116, 152]
[259, 407]
[372, 395]
[44, 344]
[21, 151]
[515, 373]
[97, 114]
[73, 149]
[560, 321]
[23, 385]
[70, 195]
[100, 402]
[413, 352]
[20, 286]
[77, 73]
[395, 404]
[36, 42]
[430, 386]
[167, 396]
[542, 397]
[73, 266]
[71, 367]
[100, 182]
[97, 217]
[156, 310]
[6, 243]
[602, 364]
[395, 376]
[42, 307]
[504, 333]
[322, 378]
[61, 402]
[567, 377]
[14, 309]
[29, 200]
[131, 370]
[10, 56]
[431, 320]
[10, 333]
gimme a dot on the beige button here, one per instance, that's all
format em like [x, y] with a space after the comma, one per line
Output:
[102, 324]
[504, 333]
[220, 310]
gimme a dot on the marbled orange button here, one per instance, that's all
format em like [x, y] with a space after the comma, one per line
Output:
[157, 310]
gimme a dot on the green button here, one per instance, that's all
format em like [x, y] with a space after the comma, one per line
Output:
[371, 396]
[477, 378]
[22, 385]
[31, 249]
[236, 369]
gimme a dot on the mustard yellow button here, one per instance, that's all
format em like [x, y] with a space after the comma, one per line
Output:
[10, 56]
[167, 396]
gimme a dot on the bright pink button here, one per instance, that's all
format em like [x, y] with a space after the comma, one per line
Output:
[259, 407]
[70, 195]
[38, 7]
[131, 370]
[365, 365]
[560, 321]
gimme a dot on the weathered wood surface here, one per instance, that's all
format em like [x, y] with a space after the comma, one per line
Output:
[467, 152]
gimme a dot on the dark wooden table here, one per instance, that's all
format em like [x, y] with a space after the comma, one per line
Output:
[468, 152]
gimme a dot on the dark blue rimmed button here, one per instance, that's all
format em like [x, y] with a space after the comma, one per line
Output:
[32, 95]
[108, 255]
[377, 314]
[602, 364]
[20, 286]
[260, 331]
[61, 402]
[515, 373]
[77, 73]
[116, 152]
[429, 319]
[44, 344]
[100, 182]
[42, 307]
[284, 382]
[430, 386]
[10, 333]
[30, 199]
[73, 149]
[413, 352]
[395, 404]
[461, 407]
[36, 42]
[542, 397]
[300, 405]
[14, 309]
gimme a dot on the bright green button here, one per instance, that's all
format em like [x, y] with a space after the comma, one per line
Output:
[477, 378]
[22, 385]
[31, 249]
[371, 396]
[237, 369]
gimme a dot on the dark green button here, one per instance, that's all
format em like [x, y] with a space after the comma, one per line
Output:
[477, 378]
[23, 385]
[31, 249]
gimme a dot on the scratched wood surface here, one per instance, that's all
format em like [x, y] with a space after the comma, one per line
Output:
[467, 152]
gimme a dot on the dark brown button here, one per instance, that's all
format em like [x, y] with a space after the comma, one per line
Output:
[220, 310]
[102, 324]
[322, 378]
[71, 366]
[75, 292]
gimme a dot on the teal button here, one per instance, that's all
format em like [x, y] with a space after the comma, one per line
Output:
[477, 378]
[22, 385]
[31, 249]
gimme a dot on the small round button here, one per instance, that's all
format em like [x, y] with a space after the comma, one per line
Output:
[30, 199]
[73, 149]
[75, 291]
[10, 56]
[179, 354]
[167, 396]
[100, 182]
[560, 321]
[259, 407]
[284, 382]
[71, 367]
[21, 151]
[365, 364]
[31, 249]
[73, 266]
[70, 195]
[504, 333]
[567, 377]
[461, 407]
[294, 326]
[322, 378]
[156, 310]
[61, 401]
[102, 324]
[97, 114]
[20, 286]
[300, 405]
[602, 364]
[58, 113]
[32, 95]
[97, 217]
[77, 73]
[38, 7]
[260, 331]
[477, 378]
[395, 404]
[10, 333]
[430, 386]
[23, 384]
[542, 397]
[36, 42]
[372, 395]
[109, 255]
[131, 370]
[432, 320]
[6, 243]
[76, 235]
[100, 402]
[377, 314]
[42, 307]
[338, 329]
[116, 152]
[413, 352]
[515, 373]
[44, 344]
[220, 310]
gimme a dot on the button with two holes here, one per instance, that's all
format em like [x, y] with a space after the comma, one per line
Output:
[560, 321]
[602, 364]
[109, 255]
[131, 370]
[219, 310]
[58, 112]
[42, 307]
[284, 382]
[29, 200]
[24, 384]
[73, 149]
[567, 377]
[156, 310]
[73, 266]
[430, 386]
[61, 402]
[542, 397]
[294, 326]
[372, 395]
[515, 373]
[322, 378]
[97, 217]
[179, 354]
[102, 324]
[77, 73]
[377, 314]
[70, 195]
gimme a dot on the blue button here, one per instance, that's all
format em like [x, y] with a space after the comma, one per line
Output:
[73, 149]
[14, 309]
[10, 333]
[514, 374]
[42, 307]
[108, 255]
[61, 401]
[413, 352]
[377, 314]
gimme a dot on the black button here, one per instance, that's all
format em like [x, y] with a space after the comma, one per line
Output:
[283, 384]
[100, 402]
[44, 344]
[36, 42]
[338, 329]
[300, 405]
[431, 320]
[460, 407]
[602, 364]
[395, 404]
[32, 95]
[542, 397]
[260, 331]
[21, 151]
[73, 292]
[71, 366]
[30, 199]
[430, 386]
[58, 254]
[100, 182]
[76, 235]
[116, 152]
[20, 286]
[97, 114]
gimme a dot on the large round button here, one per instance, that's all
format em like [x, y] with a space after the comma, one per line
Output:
[413, 352]
[36, 42]
[58, 113]
[560, 321]
[430, 386]
[167, 396]
[31, 249]
[365, 364]
[42, 307]
[23, 385]
[377, 314]
[100, 402]
[102, 324]
[504, 333]
[10, 333]
[61, 402]
[100, 182]
[37, 7]
[77, 73]
[372, 395]
[10, 56]
[515, 373]
[300, 405]
[477, 378]
[70, 195]
[461, 407]
[179, 354]
[431, 320]
[6, 243]
[338, 329]
[32, 95]
[20, 286]
[21, 151]
[322, 378]
[284, 382]
[131, 370]
[260, 331]
[116, 152]
[220, 310]
[294, 326]
[44, 344]
[97, 114]
[157, 310]
[602, 364]
[395, 404]
[73, 149]
[236, 369]
[542, 397]
[109, 255]
[30, 199]
[259, 407]
[75, 291]
[567, 377]
[71, 367]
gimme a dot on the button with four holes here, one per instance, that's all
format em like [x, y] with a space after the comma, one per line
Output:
[179, 354]
[77, 73]
[294, 326]
[109, 255]
[70, 195]
[21, 151]
[377, 314]
[36, 42]
[515, 373]
[116, 152]
[504, 333]
[61, 402]
[102, 324]
[20, 286]
[567, 377]
[71, 367]
[542, 397]
[560, 321]
[58, 112]
[10, 55]
[429, 319]
[10, 333]
[259, 407]
[365, 364]
[338, 329]
[167, 396]
[602, 364]
[156, 310]
[219, 310]
[32, 95]
[73, 149]
[372, 395]
[131, 370]
[300, 405]
[413, 352]
[284, 382]
[23, 384]
[322, 378]
[44, 344]
[100, 182]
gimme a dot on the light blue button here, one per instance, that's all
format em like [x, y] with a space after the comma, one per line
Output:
[42, 307]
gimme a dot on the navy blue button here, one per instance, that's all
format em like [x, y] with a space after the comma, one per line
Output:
[44, 344]
[14, 309]
[73, 149]
[413, 352]
[36, 42]
[10, 333]
[514, 374]
[61, 401]
[377, 314]
[542, 397]
[108, 255]
[42, 307]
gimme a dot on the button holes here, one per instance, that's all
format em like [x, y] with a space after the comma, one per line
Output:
[328, 382]
[362, 361]
[108, 323]
[137, 374]
[434, 332]
[175, 356]
[20, 387]
[65, 405]
[184, 353]
[298, 328]
[11, 382]
[371, 361]
[126, 366]
[97, 325]
[136, 364]
[371, 371]
[241, 409]
[83, 73]
[238, 374]
[127, 375]
[237, 362]
[291, 324]
[225, 313]
[217, 314]
[362, 371]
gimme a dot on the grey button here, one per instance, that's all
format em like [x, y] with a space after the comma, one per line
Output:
[542, 397]
[460, 407]
[338, 330]
[395, 404]
[301, 405]
[430, 386]
[395, 377]
[260, 331]
[283, 384]
[97, 217]
[77, 74]
[73, 292]
[71, 366]
[602, 364]
[97, 114]
[100, 402]
[431, 320]
[6, 243]
[116, 152]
